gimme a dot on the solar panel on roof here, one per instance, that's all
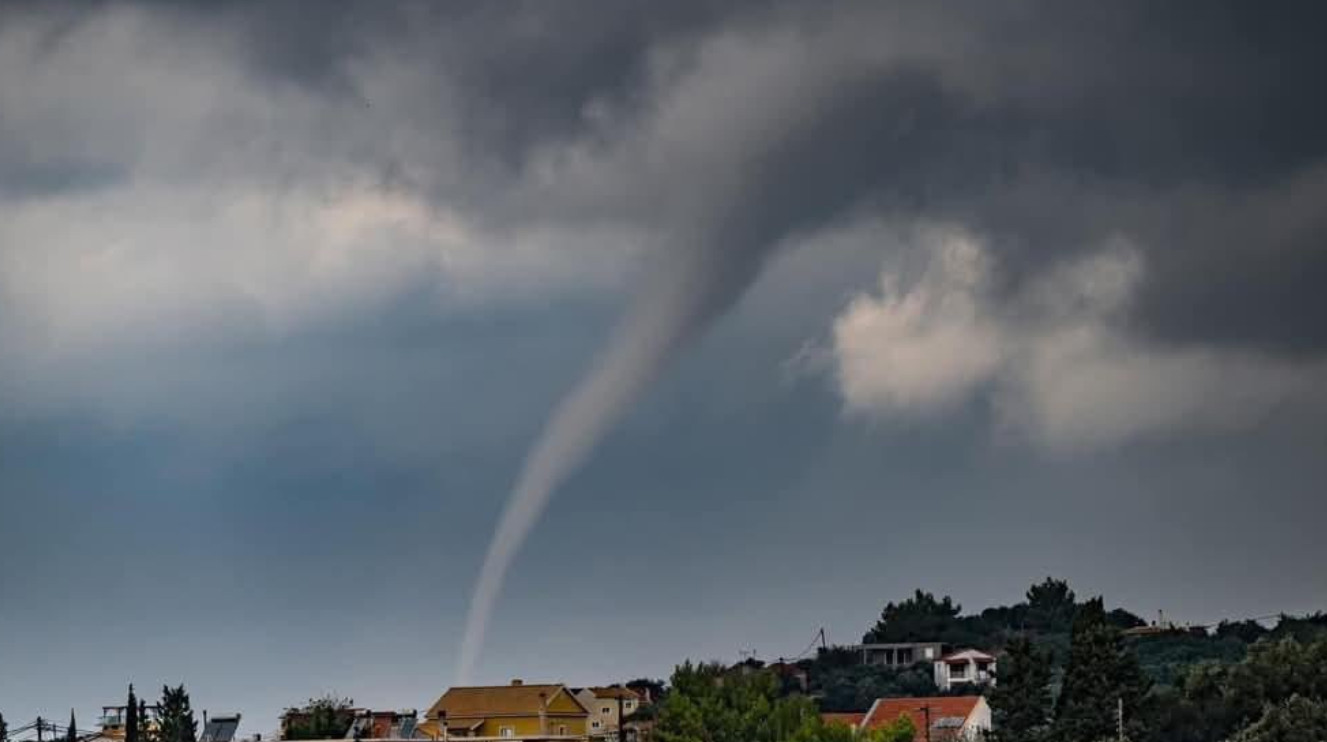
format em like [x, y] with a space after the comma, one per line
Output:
[220, 730]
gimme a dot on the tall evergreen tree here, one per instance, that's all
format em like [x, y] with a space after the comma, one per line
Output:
[1051, 605]
[1101, 674]
[71, 735]
[131, 717]
[1021, 698]
[175, 718]
[4, 729]
[146, 733]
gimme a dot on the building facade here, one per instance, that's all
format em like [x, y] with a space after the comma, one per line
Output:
[507, 712]
[899, 654]
[602, 704]
[968, 667]
[937, 719]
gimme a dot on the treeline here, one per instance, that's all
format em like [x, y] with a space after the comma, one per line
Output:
[173, 722]
[1067, 672]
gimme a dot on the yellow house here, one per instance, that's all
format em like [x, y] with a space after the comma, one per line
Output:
[507, 712]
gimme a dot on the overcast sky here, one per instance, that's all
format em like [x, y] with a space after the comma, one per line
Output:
[972, 293]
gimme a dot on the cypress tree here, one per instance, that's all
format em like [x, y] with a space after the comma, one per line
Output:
[1101, 674]
[1021, 698]
[131, 717]
[145, 732]
[72, 734]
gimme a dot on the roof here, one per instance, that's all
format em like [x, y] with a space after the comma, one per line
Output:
[626, 694]
[497, 700]
[967, 654]
[943, 710]
[853, 719]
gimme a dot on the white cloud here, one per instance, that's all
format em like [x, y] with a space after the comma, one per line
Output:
[1055, 360]
[929, 346]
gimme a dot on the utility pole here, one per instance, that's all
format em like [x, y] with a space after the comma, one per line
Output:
[926, 712]
[621, 734]
[41, 725]
[1119, 718]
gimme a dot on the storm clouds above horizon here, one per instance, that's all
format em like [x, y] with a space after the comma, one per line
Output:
[287, 289]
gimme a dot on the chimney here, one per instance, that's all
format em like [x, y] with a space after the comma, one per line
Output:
[517, 681]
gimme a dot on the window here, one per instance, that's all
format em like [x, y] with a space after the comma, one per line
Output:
[958, 671]
[506, 732]
[630, 705]
[562, 730]
[606, 710]
[929, 653]
[594, 725]
[905, 656]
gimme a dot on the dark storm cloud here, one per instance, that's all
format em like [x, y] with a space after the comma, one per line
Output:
[1187, 126]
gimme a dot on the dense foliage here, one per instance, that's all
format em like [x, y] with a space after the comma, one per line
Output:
[711, 703]
[1213, 701]
[175, 717]
[1100, 675]
[1021, 701]
[707, 703]
[1298, 719]
[327, 717]
[840, 682]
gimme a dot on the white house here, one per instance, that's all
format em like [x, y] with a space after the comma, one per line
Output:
[964, 667]
[602, 703]
[943, 719]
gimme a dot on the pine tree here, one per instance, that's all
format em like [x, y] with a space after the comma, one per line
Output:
[71, 735]
[1101, 674]
[175, 718]
[131, 717]
[1021, 698]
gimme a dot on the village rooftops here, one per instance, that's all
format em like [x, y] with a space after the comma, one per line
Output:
[495, 700]
[951, 717]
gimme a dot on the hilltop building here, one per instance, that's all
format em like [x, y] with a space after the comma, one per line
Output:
[965, 667]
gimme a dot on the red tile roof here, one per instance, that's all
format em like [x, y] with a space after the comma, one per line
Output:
[888, 710]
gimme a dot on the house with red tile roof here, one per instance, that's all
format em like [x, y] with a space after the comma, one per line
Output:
[948, 718]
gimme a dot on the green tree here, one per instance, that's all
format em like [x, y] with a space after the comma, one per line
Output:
[707, 703]
[175, 717]
[1021, 698]
[71, 734]
[4, 729]
[1101, 674]
[146, 732]
[1297, 719]
[1051, 605]
[1212, 701]
[917, 619]
[131, 717]
[327, 717]
[899, 730]
[1246, 631]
